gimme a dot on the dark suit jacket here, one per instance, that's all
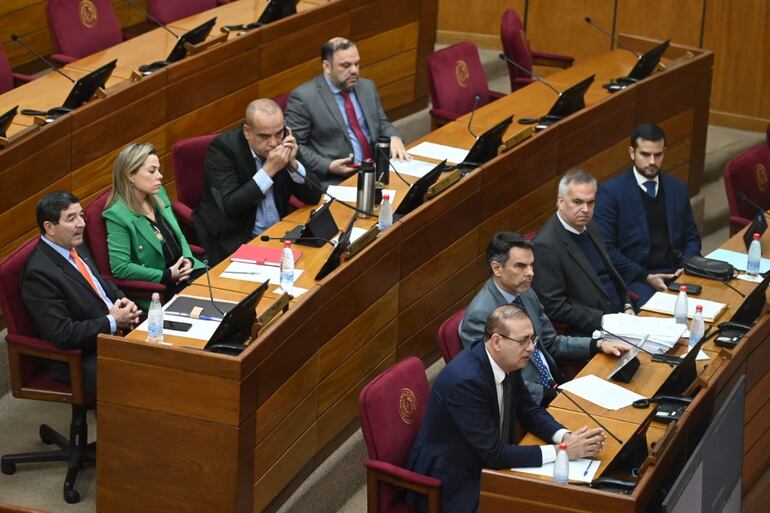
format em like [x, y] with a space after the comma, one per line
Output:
[459, 434]
[622, 221]
[225, 216]
[317, 123]
[567, 283]
[551, 344]
[63, 306]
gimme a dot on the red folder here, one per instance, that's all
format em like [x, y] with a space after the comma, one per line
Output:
[261, 255]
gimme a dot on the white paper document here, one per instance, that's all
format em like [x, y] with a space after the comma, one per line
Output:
[601, 392]
[662, 302]
[582, 470]
[295, 291]
[355, 233]
[754, 279]
[254, 272]
[200, 329]
[439, 152]
[737, 259]
[662, 333]
[414, 167]
[349, 194]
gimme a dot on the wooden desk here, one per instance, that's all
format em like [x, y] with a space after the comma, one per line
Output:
[252, 426]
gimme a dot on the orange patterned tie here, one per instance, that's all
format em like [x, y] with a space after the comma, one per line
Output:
[84, 271]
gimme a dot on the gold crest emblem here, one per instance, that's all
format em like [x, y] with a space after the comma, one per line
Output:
[462, 73]
[761, 174]
[407, 405]
[88, 13]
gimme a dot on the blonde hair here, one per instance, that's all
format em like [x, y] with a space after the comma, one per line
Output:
[128, 162]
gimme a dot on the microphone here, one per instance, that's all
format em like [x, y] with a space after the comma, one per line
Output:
[504, 57]
[613, 38]
[564, 393]
[390, 164]
[745, 198]
[671, 360]
[19, 40]
[151, 18]
[476, 100]
[211, 293]
[265, 238]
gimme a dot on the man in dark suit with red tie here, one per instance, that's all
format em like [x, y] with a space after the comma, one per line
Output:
[69, 301]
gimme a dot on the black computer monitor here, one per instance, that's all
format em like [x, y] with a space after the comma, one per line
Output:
[758, 225]
[333, 261]
[235, 328]
[6, 120]
[276, 10]
[684, 373]
[415, 196]
[753, 305]
[632, 454]
[711, 479]
[192, 36]
[486, 146]
[570, 100]
[648, 62]
[85, 88]
[320, 225]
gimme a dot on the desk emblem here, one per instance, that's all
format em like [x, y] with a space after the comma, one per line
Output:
[462, 73]
[762, 179]
[88, 13]
[407, 405]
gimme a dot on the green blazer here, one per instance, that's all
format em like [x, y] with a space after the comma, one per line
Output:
[135, 252]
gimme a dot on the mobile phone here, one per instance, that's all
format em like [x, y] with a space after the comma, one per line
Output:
[176, 325]
[692, 288]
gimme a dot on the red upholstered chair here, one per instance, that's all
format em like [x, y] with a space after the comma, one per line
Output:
[29, 379]
[7, 76]
[455, 78]
[516, 47]
[189, 157]
[96, 238]
[391, 408]
[282, 100]
[749, 174]
[78, 30]
[7, 508]
[167, 11]
[449, 338]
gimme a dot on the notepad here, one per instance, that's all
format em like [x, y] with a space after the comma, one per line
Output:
[261, 255]
[439, 152]
[580, 471]
[663, 303]
[413, 167]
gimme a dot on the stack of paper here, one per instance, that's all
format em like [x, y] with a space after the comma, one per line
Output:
[435, 151]
[662, 333]
[664, 303]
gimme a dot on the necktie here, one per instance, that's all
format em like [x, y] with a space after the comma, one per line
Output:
[505, 432]
[84, 271]
[350, 111]
[518, 303]
[650, 186]
[537, 355]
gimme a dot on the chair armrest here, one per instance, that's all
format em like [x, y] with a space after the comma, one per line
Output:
[41, 348]
[520, 82]
[738, 220]
[22, 78]
[63, 58]
[402, 477]
[495, 95]
[554, 60]
[183, 212]
[198, 251]
[444, 114]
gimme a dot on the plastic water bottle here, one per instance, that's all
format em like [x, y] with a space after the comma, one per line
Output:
[696, 326]
[680, 308]
[755, 256]
[386, 213]
[155, 320]
[561, 466]
[287, 268]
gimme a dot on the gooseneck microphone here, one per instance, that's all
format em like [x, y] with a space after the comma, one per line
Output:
[504, 57]
[211, 292]
[565, 394]
[19, 40]
[152, 18]
[266, 238]
[613, 38]
[742, 196]
[476, 100]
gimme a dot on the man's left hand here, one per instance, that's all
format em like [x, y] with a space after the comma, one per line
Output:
[397, 150]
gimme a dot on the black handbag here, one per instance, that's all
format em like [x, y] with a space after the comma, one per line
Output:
[709, 268]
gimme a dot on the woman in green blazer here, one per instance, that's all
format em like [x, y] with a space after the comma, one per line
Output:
[143, 237]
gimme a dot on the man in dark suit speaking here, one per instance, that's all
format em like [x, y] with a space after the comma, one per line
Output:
[250, 174]
[69, 301]
[339, 114]
[473, 406]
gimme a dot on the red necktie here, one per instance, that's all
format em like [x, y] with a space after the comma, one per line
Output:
[350, 111]
[84, 271]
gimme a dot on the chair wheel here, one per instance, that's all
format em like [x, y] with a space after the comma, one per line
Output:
[7, 467]
[43, 432]
[71, 496]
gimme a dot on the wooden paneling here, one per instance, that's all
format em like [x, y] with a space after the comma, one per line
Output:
[479, 22]
[679, 21]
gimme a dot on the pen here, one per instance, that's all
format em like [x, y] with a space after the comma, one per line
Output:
[588, 468]
[202, 317]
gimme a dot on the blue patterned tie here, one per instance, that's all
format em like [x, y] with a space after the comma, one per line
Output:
[650, 186]
[537, 355]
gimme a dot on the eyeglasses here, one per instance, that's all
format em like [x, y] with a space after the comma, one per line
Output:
[522, 341]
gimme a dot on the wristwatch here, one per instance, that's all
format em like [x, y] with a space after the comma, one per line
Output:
[599, 345]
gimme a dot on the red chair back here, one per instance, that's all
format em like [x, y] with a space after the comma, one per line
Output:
[189, 158]
[449, 338]
[282, 100]
[14, 311]
[167, 11]
[391, 409]
[96, 233]
[515, 46]
[6, 73]
[455, 77]
[748, 173]
[82, 28]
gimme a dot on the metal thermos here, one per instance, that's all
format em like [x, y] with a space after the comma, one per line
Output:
[366, 179]
[382, 159]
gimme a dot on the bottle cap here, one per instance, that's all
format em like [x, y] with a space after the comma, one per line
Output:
[699, 308]
[683, 288]
[563, 446]
[756, 236]
[155, 296]
[386, 196]
[287, 244]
